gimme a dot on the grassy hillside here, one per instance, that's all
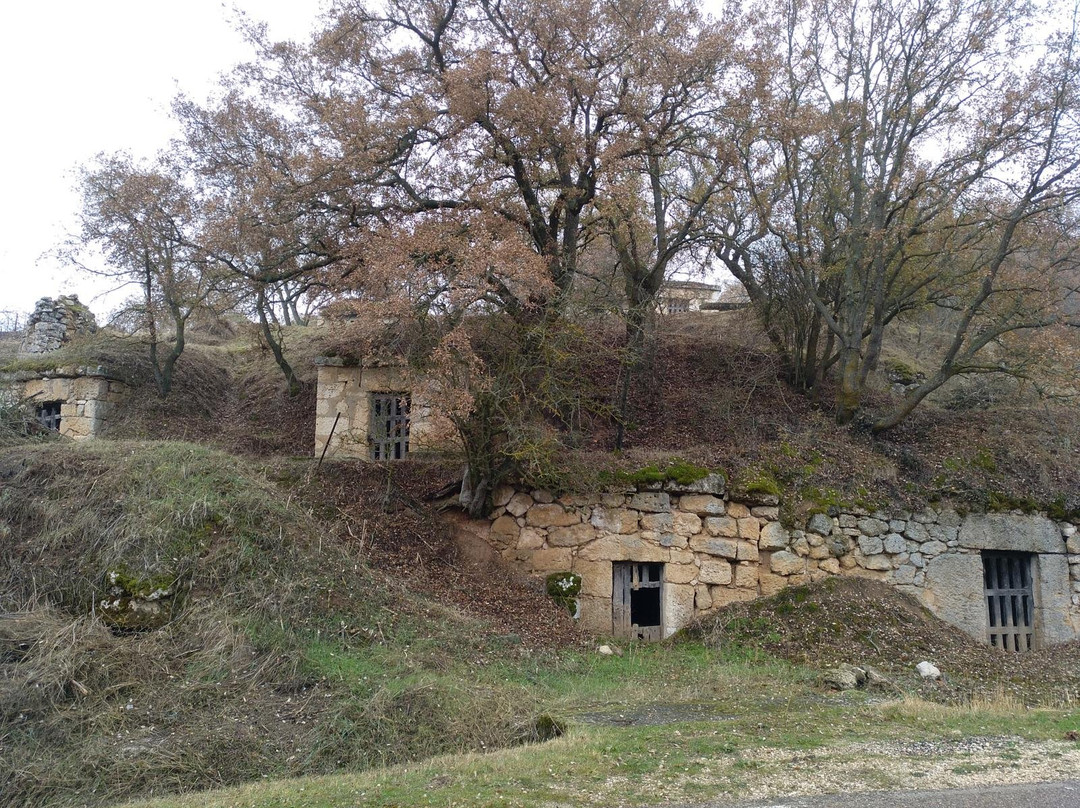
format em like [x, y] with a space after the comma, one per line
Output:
[283, 653]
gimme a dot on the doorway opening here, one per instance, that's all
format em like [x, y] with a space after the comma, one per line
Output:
[637, 598]
[1010, 602]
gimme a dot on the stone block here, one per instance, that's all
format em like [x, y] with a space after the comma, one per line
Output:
[829, 565]
[596, 579]
[876, 562]
[801, 546]
[651, 502]
[530, 539]
[873, 527]
[685, 524]
[614, 520]
[746, 576]
[917, 532]
[769, 584]
[1003, 531]
[784, 563]
[678, 555]
[722, 526]
[501, 496]
[723, 596]
[715, 572]
[680, 573]
[658, 522]
[519, 504]
[557, 559]
[870, 545]
[773, 536]
[672, 540]
[894, 543]
[595, 615]
[551, 515]
[543, 497]
[572, 536]
[747, 551]
[932, 548]
[678, 607]
[737, 510]
[624, 548]
[749, 528]
[822, 525]
[702, 598]
[702, 504]
[725, 548]
[769, 513]
[505, 527]
[709, 484]
[820, 552]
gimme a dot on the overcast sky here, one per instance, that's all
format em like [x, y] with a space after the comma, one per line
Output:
[83, 76]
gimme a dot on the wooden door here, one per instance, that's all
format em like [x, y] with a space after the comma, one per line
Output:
[637, 600]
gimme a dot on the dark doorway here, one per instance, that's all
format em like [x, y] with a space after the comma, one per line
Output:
[636, 596]
[389, 426]
[48, 414]
[1010, 603]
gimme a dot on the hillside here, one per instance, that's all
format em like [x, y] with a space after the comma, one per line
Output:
[193, 603]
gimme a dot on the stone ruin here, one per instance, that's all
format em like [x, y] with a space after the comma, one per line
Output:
[55, 323]
[74, 400]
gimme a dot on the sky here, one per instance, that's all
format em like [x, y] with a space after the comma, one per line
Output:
[78, 77]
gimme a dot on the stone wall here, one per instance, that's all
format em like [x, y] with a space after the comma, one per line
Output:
[346, 389]
[54, 323]
[88, 399]
[717, 550]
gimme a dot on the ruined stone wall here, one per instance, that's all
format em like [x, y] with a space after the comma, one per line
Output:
[54, 323]
[346, 390]
[717, 550]
[87, 402]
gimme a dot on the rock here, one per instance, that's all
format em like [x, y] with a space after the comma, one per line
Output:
[737, 510]
[686, 524]
[612, 520]
[774, 536]
[519, 504]
[820, 523]
[876, 678]
[904, 575]
[609, 650]
[715, 572]
[933, 548]
[726, 548]
[829, 565]
[651, 502]
[550, 515]
[722, 526]
[501, 496]
[928, 670]
[857, 672]
[572, 536]
[840, 679]
[702, 504]
[877, 562]
[55, 323]
[658, 522]
[895, 544]
[543, 497]
[873, 527]
[709, 484]
[870, 545]
[767, 512]
[749, 528]
[917, 532]
[785, 563]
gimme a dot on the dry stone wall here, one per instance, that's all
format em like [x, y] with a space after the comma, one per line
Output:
[54, 323]
[717, 550]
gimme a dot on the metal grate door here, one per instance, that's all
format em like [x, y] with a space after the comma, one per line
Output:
[1009, 600]
[48, 415]
[389, 426]
[636, 600]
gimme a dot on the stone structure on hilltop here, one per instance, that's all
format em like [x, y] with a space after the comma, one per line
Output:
[74, 400]
[55, 323]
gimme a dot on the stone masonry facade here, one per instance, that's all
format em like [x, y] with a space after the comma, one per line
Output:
[88, 398]
[343, 408]
[717, 550]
